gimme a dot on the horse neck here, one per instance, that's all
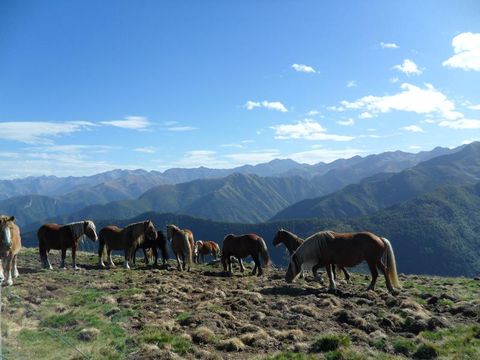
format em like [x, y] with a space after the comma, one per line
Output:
[292, 242]
[77, 229]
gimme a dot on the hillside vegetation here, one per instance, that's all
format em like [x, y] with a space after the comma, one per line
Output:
[157, 313]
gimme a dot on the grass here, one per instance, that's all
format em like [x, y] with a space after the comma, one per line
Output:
[164, 340]
[331, 342]
[290, 356]
[183, 317]
[403, 346]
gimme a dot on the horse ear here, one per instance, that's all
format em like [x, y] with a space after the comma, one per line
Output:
[11, 218]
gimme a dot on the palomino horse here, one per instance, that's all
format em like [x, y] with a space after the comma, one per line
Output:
[327, 248]
[203, 248]
[63, 237]
[126, 239]
[292, 242]
[182, 245]
[10, 245]
[241, 246]
[159, 243]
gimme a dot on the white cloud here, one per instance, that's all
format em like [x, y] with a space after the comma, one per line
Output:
[196, 158]
[347, 122]
[313, 113]
[408, 67]
[253, 157]
[351, 83]
[390, 45]
[474, 107]
[412, 128]
[307, 129]
[466, 47]
[462, 123]
[320, 154]
[270, 105]
[365, 115]
[39, 132]
[424, 101]
[130, 122]
[146, 150]
[181, 128]
[394, 80]
[303, 68]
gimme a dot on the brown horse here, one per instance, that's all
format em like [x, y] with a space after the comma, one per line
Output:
[241, 246]
[63, 237]
[292, 242]
[327, 248]
[159, 243]
[126, 239]
[10, 245]
[182, 245]
[203, 248]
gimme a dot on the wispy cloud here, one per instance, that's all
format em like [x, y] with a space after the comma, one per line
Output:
[270, 105]
[40, 132]
[466, 47]
[412, 128]
[320, 154]
[130, 122]
[303, 68]
[348, 122]
[146, 150]
[408, 67]
[307, 129]
[389, 45]
[181, 128]
[351, 83]
[461, 124]
[253, 157]
[313, 113]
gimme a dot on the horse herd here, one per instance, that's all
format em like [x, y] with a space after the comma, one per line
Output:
[326, 249]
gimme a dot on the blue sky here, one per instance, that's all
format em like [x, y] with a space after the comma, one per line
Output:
[88, 86]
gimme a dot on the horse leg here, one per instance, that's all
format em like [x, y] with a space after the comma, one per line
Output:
[145, 256]
[74, 254]
[127, 258]
[256, 262]
[381, 267]
[64, 255]
[347, 274]
[242, 268]
[8, 269]
[258, 265]
[373, 270]
[331, 280]
[15, 270]
[48, 265]
[179, 265]
[155, 255]
[2, 276]
[229, 261]
[109, 258]
[100, 257]
[315, 273]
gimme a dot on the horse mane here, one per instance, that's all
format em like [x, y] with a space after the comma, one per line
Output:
[77, 228]
[296, 237]
[314, 246]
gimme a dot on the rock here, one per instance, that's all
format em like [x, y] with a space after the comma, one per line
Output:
[88, 334]
[432, 300]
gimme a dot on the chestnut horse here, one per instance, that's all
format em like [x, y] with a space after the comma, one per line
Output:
[63, 237]
[182, 245]
[10, 245]
[327, 248]
[241, 246]
[159, 243]
[126, 239]
[292, 242]
[203, 248]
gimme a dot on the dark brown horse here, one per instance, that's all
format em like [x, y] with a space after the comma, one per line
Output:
[182, 245]
[241, 246]
[292, 242]
[10, 245]
[327, 248]
[63, 237]
[126, 239]
[152, 245]
[203, 248]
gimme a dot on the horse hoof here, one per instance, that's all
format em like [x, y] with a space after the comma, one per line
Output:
[76, 268]
[9, 282]
[332, 290]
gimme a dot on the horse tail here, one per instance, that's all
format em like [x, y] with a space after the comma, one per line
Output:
[101, 245]
[188, 248]
[391, 264]
[264, 252]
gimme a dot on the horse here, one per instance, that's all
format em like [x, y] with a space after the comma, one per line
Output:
[292, 242]
[160, 242]
[182, 245]
[203, 248]
[327, 248]
[241, 246]
[126, 239]
[63, 237]
[10, 245]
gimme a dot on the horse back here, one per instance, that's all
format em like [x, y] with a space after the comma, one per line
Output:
[349, 248]
[242, 245]
[52, 236]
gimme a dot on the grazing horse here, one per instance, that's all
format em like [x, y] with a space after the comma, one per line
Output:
[127, 239]
[63, 237]
[241, 246]
[292, 242]
[182, 245]
[327, 248]
[159, 243]
[10, 245]
[203, 248]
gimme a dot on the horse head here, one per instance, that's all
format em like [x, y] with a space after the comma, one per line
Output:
[294, 269]
[150, 231]
[277, 240]
[90, 230]
[5, 233]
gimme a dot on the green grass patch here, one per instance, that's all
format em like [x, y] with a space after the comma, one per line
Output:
[403, 346]
[164, 339]
[463, 342]
[290, 356]
[183, 317]
[329, 342]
